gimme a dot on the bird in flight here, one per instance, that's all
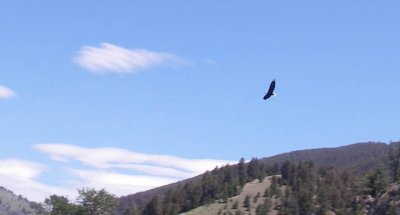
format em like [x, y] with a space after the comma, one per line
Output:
[270, 90]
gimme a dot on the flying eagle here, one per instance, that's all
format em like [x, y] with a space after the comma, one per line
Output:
[270, 90]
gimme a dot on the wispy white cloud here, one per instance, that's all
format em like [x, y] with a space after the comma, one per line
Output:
[119, 171]
[6, 93]
[109, 58]
[107, 158]
[21, 177]
[155, 170]
[22, 170]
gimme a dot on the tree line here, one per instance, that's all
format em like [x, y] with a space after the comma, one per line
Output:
[89, 202]
[303, 188]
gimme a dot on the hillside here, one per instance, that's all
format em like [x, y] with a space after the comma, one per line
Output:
[362, 178]
[264, 203]
[357, 158]
[255, 190]
[360, 157]
[11, 204]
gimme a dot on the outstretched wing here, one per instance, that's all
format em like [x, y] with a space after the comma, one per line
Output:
[270, 90]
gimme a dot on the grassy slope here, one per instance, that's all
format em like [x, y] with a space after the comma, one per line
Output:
[250, 189]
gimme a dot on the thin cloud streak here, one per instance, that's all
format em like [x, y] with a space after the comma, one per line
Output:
[109, 58]
[6, 93]
[121, 171]
[155, 170]
[107, 158]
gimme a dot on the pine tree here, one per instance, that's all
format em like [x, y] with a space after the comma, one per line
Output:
[154, 207]
[274, 189]
[263, 209]
[394, 162]
[322, 197]
[242, 172]
[376, 183]
[253, 170]
[246, 202]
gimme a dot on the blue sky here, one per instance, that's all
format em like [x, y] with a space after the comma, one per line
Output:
[146, 87]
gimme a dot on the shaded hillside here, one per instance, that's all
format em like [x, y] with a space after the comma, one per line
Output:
[138, 200]
[11, 204]
[360, 158]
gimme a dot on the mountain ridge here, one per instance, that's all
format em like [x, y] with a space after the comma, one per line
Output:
[359, 157]
[348, 156]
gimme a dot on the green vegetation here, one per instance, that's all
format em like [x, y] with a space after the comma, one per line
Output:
[218, 184]
[300, 187]
[89, 202]
[356, 182]
[263, 208]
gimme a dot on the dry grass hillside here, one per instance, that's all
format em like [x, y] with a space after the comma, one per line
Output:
[255, 190]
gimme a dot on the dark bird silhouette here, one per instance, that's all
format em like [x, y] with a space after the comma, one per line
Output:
[270, 90]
